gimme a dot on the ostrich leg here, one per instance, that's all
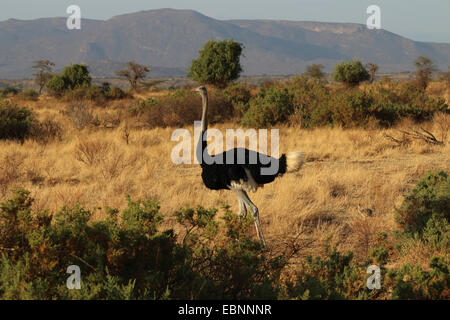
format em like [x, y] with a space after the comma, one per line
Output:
[243, 196]
[241, 199]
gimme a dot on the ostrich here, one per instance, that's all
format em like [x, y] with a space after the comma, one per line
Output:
[236, 176]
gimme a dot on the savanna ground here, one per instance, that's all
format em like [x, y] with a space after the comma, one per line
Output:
[352, 180]
[93, 153]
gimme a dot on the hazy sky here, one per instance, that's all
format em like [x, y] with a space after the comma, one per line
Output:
[424, 20]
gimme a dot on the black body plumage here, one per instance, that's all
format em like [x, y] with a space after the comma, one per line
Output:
[219, 171]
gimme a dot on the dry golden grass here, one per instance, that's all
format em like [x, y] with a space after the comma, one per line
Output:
[348, 188]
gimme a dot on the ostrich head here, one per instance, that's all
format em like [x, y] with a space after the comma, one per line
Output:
[201, 90]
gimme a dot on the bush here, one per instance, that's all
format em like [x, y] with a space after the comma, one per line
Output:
[311, 104]
[30, 94]
[351, 108]
[430, 199]
[128, 255]
[130, 259]
[15, 122]
[56, 85]
[80, 114]
[76, 75]
[46, 131]
[239, 95]
[398, 101]
[5, 92]
[73, 76]
[182, 107]
[350, 73]
[334, 277]
[86, 92]
[115, 93]
[272, 105]
[412, 282]
[311, 101]
[96, 94]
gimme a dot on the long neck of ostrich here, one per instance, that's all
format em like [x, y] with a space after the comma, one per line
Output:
[204, 111]
[204, 119]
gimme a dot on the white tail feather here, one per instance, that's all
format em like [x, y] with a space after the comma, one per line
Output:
[295, 160]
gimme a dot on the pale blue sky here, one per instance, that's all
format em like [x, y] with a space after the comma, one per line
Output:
[423, 20]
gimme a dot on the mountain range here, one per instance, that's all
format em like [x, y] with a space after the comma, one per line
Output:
[169, 39]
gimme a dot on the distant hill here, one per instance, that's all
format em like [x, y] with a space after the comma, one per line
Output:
[169, 39]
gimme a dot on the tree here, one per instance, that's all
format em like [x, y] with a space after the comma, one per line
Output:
[373, 68]
[76, 75]
[133, 73]
[44, 72]
[424, 70]
[315, 71]
[350, 73]
[218, 63]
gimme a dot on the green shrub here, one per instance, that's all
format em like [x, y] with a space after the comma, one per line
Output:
[239, 95]
[15, 122]
[133, 254]
[272, 105]
[76, 75]
[403, 100]
[332, 277]
[351, 108]
[412, 282]
[430, 198]
[127, 256]
[379, 255]
[314, 104]
[350, 73]
[73, 76]
[143, 106]
[311, 100]
[56, 85]
[437, 232]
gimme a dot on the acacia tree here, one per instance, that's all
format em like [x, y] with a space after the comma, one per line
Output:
[218, 63]
[315, 71]
[372, 68]
[424, 70]
[134, 73]
[44, 73]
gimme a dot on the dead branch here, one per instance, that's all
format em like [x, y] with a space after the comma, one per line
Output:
[426, 136]
[399, 141]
